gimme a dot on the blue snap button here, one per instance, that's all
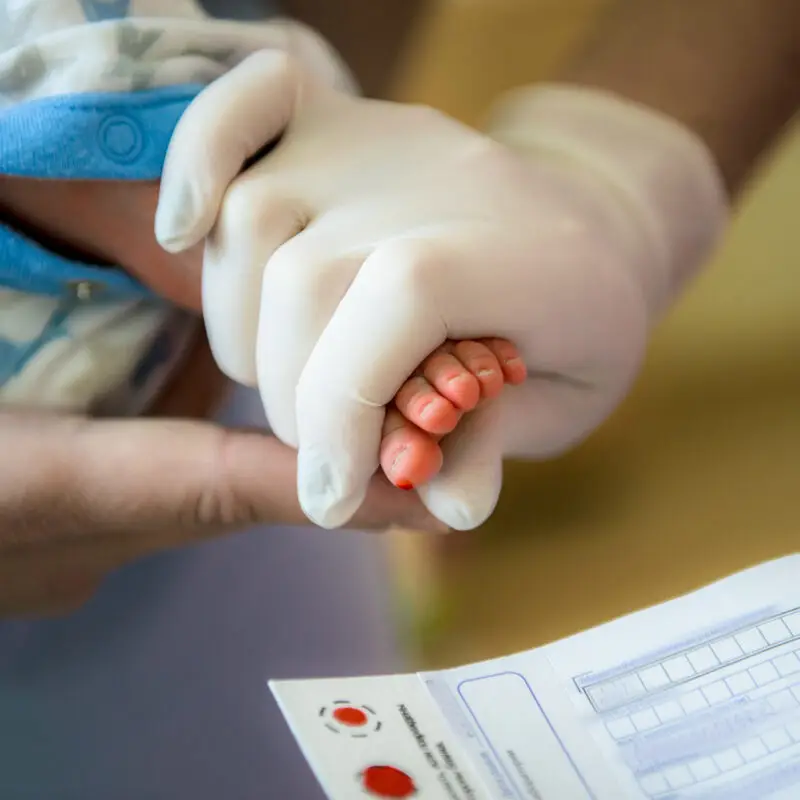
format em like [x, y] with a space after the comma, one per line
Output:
[121, 138]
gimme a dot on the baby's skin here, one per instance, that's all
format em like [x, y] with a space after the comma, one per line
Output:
[449, 383]
[113, 222]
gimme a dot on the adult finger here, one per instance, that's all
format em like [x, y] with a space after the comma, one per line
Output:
[229, 122]
[303, 284]
[382, 329]
[76, 478]
[73, 478]
[465, 491]
[256, 220]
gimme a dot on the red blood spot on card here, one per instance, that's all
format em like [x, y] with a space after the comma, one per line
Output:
[388, 782]
[352, 717]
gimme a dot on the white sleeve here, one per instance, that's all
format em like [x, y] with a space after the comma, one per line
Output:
[53, 47]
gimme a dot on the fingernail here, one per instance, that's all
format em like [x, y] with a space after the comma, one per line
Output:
[175, 217]
[485, 373]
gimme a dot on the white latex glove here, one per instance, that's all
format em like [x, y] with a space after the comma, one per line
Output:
[376, 231]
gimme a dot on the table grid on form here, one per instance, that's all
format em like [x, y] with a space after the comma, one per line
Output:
[719, 719]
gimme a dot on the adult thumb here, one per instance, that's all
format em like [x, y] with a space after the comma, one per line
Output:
[158, 481]
[77, 478]
[230, 122]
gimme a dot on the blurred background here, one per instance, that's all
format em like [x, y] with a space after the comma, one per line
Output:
[698, 475]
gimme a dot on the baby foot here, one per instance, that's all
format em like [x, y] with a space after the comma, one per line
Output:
[449, 383]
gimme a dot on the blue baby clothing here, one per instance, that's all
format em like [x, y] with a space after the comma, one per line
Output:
[76, 336]
[93, 89]
[73, 335]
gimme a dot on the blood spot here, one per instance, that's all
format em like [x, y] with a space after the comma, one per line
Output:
[405, 485]
[352, 717]
[388, 782]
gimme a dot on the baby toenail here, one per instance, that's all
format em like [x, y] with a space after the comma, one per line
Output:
[427, 409]
[398, 460]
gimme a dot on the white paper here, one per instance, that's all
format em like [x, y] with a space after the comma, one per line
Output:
[695, 699]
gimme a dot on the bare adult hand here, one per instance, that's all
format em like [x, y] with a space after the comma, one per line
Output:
[80, 497]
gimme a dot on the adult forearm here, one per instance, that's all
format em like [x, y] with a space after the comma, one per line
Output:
[727, 69]
[369, 35]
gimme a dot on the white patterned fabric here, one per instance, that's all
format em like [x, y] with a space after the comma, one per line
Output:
[70, 63]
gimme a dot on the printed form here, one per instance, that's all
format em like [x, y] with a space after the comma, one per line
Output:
[694, 699]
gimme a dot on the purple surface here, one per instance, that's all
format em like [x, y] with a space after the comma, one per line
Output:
[157, 688]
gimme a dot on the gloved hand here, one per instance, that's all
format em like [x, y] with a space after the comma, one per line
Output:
[376, 231]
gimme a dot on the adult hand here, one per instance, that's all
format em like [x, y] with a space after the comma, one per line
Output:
[79, 497]
[376, 231]
[83, 497]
